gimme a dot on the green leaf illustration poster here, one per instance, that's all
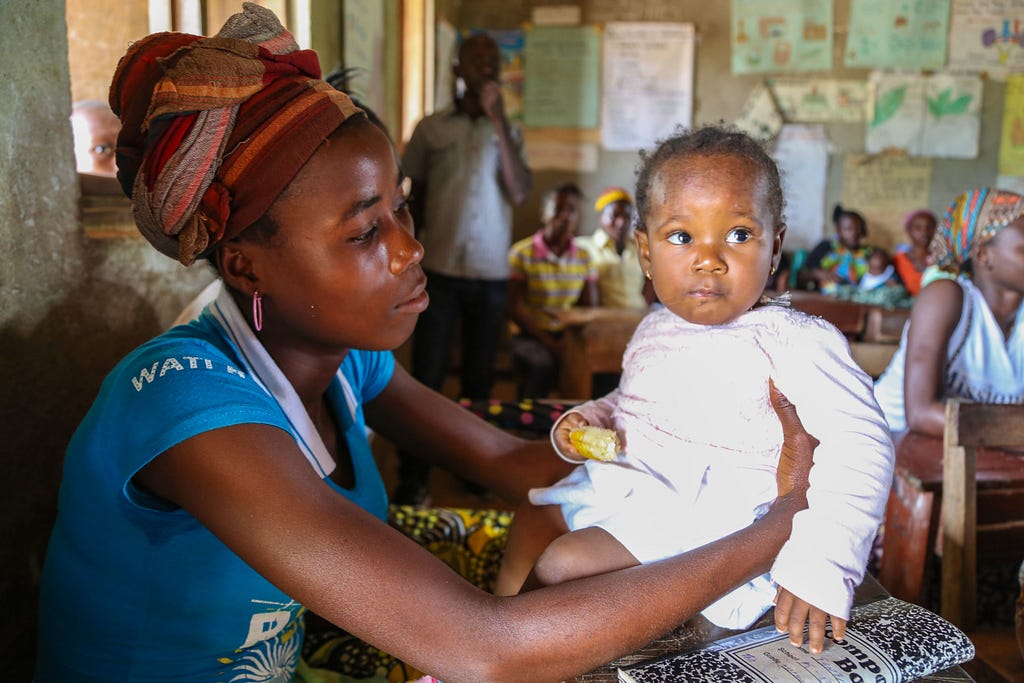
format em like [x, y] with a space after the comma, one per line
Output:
[927, 116]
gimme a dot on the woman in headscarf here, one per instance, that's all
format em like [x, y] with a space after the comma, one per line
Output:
[222, 482]
[911, 259]
[964, 337]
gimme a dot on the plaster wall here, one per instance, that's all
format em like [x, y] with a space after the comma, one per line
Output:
[70, 307]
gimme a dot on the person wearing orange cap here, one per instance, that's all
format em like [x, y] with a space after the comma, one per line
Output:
[620, 280]
[222, 482]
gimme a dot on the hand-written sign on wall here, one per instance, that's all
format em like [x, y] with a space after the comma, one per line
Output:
[884, 188]
[562, 70]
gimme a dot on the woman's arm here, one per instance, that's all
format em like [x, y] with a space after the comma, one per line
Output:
[935, 314]
[252, 488]
[421, 421]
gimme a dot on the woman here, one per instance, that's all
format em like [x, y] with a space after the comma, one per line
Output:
[842, 260]
[964, 337]
[910, 260]
[222, 482]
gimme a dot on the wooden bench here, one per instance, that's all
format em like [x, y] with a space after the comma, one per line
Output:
[912, 512]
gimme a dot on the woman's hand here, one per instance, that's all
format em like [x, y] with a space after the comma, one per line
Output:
[797, 448]
[561, 436]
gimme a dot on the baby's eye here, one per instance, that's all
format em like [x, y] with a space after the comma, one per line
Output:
[679, 238]
[739, 236]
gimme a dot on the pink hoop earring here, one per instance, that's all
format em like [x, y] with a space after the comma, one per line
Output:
[257, 310]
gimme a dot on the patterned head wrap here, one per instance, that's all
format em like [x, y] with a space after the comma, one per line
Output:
[973, 218]
[609, 195]
[213, 129]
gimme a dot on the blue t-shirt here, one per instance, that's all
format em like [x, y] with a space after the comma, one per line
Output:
[137, 590]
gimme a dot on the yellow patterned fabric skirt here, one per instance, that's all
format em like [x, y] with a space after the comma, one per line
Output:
[470, 541]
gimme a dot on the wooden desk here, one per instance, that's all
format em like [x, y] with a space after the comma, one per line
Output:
[594, 340]
[912, 512]
[699, 631]
[860, 322]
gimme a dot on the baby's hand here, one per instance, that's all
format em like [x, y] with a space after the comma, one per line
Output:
[563, 428]
[791, 613]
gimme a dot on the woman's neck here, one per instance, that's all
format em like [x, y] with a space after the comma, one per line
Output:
[1004, 303]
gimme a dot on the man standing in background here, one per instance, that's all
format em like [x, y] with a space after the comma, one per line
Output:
[468, 171]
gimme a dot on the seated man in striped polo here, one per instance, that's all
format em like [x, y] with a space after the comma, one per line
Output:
[547, 272]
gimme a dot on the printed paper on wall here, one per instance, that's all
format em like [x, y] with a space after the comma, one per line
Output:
[781, 35]
[897, 33]
[935, 116]
[648, 82]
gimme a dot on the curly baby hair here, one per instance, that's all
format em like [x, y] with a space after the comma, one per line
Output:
[709, 140]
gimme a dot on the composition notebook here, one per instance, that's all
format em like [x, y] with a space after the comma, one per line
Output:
[887, 641]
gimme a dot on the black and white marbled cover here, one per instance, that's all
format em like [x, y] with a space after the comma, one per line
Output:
[887, 641]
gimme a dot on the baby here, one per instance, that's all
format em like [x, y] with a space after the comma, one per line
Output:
[881, 272]
[699, 441]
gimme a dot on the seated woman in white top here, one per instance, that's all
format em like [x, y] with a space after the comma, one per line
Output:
[964, 337]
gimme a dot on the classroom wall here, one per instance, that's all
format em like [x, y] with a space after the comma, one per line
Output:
[70, 307]
[719, 95]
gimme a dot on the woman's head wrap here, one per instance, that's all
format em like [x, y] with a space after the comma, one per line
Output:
[213, 129]
[609, 195]
[973, 218]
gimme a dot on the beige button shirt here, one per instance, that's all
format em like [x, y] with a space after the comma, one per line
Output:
[620, 280]
[467, 215]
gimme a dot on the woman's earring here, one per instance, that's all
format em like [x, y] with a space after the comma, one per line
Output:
[648, 274]
[257, 310]
[772, 271]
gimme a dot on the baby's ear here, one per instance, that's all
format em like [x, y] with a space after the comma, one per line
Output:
[643, 249]
[777, 240]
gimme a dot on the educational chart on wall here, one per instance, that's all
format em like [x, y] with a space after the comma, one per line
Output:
[884, 188]
[801, 152]
[561, 74]
[897, 33]
[781, 35]
[446, 39]
[987, 35]
[760, 118]
[364, 50]
[510, 45]
[647, 82]
[935, 116]
[806, 100]
[1011, 146]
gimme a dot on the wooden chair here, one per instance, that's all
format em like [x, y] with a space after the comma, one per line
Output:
[980, 526]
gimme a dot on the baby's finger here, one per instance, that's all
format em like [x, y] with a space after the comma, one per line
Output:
[816, 630]
[838, 627]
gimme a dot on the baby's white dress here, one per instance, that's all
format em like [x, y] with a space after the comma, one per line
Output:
[701, 446]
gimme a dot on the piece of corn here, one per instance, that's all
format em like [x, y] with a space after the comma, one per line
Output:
[596, 443]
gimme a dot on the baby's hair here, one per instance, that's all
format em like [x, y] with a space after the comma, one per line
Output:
[547, 206]
[708, 140]
[839, 212]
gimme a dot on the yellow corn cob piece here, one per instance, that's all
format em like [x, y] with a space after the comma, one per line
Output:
[596, 443]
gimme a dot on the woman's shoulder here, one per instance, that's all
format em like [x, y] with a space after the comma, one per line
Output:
[194, 350]
[940, 296]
